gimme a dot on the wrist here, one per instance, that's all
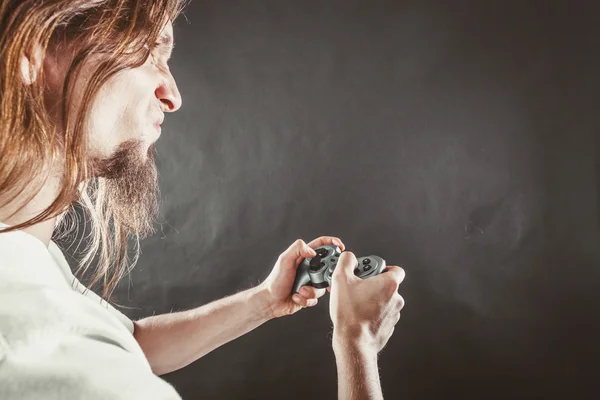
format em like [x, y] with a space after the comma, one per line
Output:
[264, 306]
[354, 339]
[357, 352]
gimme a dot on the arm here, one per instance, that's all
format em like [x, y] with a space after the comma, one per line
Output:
[172, 341]
[358, 374]
[364, 313]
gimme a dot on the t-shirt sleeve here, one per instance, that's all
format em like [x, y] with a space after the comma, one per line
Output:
[56, 343]
[53, 348]
[84, 369]
[59, 257]
[125, 320]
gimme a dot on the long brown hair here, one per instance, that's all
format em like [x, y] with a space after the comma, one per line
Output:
[115, 32]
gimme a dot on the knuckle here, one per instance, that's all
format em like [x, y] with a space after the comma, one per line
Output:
[398, 273]
[402, 275]
[400, 303]
[392, 285]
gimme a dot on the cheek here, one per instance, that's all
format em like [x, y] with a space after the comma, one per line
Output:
[121, 111]
[108, 128]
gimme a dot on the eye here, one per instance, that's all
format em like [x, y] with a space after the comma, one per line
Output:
[151, 47]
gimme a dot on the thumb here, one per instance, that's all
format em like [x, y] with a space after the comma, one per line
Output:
[298, 250]
[346, 264]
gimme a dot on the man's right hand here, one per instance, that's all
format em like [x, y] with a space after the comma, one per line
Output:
[364, 311]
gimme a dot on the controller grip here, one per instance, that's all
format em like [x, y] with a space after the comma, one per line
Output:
[302, 277]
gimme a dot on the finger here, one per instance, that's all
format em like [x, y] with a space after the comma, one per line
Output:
[310, 292]
[399, 301]
[390, 320]
[346, 264]
[329, 289]
[323, 240]
[304, 302]
[395, 272]
[397, 318]
[296, 252]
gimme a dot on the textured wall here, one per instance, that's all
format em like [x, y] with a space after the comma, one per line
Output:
[457, 139]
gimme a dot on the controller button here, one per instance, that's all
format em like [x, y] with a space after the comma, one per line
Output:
[367, 267]
[322, 252]
[366, 261]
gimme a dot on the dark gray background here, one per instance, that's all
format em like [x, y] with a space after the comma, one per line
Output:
[457, 139]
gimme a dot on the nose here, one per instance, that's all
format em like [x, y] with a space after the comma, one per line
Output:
[168, 94]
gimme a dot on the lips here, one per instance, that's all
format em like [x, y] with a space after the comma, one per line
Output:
[159, 121]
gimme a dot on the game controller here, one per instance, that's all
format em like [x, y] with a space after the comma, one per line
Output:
[317, 271]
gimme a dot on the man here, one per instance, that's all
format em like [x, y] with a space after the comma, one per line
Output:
[85, 85]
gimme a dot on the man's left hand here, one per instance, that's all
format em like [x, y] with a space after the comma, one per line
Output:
[278, 285]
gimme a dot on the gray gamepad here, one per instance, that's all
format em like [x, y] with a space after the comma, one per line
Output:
[317, 271]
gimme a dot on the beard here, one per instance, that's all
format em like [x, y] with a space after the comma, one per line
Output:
[131, 187]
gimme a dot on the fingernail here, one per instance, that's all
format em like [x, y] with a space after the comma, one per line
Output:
[304, 291]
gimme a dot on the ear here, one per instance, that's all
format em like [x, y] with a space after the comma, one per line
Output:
[31, 64]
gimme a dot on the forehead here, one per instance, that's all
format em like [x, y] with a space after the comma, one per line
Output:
[167, 29]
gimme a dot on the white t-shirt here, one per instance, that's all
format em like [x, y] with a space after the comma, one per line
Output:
[57, 343]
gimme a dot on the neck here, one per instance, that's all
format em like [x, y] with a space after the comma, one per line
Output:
[43, 199]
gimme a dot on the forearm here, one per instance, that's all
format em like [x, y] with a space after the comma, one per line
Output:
[172, 341]
[357, 371]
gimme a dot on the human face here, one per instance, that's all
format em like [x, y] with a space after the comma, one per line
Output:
[132, 104]
[123, 126]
